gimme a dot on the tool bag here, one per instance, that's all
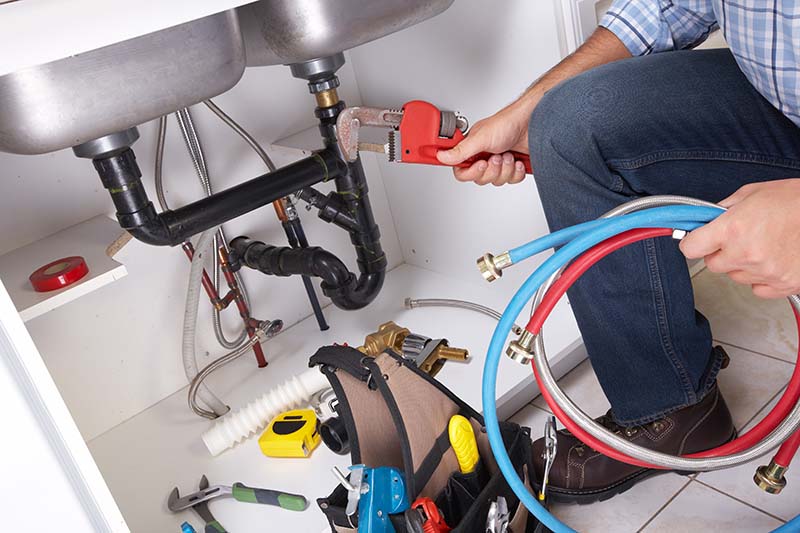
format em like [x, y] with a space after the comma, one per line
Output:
[397, 416]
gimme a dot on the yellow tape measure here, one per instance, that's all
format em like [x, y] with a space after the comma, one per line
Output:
[291, 434]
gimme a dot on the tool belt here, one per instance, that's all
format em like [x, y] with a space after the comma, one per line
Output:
[397, 416]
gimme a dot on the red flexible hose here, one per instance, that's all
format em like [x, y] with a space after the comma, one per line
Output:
[574, 271]
[787, 450]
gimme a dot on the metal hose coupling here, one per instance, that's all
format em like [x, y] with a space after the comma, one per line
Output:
[521, 350]
[491, 267]
[769, 478]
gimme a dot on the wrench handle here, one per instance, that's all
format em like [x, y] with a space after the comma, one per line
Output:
[214, 527]
[285, 500]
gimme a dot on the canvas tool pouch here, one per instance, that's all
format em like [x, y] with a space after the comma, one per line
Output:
[397, 416]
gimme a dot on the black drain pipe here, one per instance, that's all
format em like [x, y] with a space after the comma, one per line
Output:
[348, 207]
[121, 176]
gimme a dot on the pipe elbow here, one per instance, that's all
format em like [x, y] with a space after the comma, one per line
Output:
[359, 293]
[154, 233]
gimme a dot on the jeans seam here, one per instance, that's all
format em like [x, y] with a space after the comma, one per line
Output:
[663, 323]
[716, 155]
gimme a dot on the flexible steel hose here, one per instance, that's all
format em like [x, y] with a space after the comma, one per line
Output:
[198, 160]
[412, 303]
[189, 358]
[195, 149]
[778, 435]
[265, 331]
[249, 139]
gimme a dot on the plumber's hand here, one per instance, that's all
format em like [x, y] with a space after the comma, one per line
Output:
[757, 241]
[504, 131]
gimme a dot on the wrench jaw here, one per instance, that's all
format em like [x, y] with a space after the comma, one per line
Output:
[172, 501]
[351, 119]
[197, 503]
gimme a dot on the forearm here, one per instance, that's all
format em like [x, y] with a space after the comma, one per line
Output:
[601, 47]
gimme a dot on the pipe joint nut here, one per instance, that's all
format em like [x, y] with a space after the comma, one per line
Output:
[770, 478]
[521, 350]
[491, 267]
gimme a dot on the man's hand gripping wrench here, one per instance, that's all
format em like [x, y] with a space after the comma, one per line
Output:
[423, 131]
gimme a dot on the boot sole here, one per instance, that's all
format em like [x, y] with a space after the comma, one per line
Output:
[556, 495]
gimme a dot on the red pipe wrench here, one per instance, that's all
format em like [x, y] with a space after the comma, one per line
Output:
[422, 129]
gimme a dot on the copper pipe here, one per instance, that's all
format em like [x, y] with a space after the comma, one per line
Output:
[280, 210]
[244, 311]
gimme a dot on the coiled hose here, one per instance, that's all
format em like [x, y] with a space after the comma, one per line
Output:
[575, 240]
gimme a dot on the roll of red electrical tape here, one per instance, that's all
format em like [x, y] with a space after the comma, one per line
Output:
[59, 274]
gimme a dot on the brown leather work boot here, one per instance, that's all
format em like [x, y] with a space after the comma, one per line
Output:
[583, 475]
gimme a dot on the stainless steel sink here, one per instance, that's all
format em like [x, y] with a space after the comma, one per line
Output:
[73, 100]
[293, 31]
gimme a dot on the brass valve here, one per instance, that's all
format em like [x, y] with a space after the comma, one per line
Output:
[428, 354]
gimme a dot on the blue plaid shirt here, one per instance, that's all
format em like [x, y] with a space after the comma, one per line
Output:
[764, 36]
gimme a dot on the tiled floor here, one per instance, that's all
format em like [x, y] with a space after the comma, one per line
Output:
[761, 340]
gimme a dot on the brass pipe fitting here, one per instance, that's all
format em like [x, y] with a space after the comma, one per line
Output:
[443, 353]
[327, 98]
[430, 358]
[491, 267]
[521, 350]
[388, 336]
[769, 478]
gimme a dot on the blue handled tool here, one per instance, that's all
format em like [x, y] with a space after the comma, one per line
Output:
[376, 493]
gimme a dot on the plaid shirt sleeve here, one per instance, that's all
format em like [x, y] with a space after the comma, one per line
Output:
[650, 26]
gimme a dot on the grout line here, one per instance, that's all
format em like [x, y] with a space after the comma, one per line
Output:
[761, 409]
[718, 341]
[663, 506]
[743, 502]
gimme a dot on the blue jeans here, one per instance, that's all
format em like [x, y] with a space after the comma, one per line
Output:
[685, 123]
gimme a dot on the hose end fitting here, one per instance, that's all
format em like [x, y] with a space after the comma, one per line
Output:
[491, 267]
[521, 350]
[769, 478]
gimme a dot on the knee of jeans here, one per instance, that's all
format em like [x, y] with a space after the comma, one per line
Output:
[571, 116]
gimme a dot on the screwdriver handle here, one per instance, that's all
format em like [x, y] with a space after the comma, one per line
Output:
[285, 500]
[518, 156]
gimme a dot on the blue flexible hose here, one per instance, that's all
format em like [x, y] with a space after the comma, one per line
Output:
[575, 242]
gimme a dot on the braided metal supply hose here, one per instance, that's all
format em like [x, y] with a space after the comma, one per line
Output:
[266, 330]
[195, 150]
[412, 303]
[781, 433]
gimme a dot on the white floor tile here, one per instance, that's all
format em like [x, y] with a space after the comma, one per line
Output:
[583, 388]
[737, 317]
[699, 508]
[625, 513]
[750, 382]
[738, 482]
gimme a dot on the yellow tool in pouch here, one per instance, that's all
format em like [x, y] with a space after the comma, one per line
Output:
[291, 434]
[462, 439]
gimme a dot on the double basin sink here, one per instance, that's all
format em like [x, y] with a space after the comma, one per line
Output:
[73, 100]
